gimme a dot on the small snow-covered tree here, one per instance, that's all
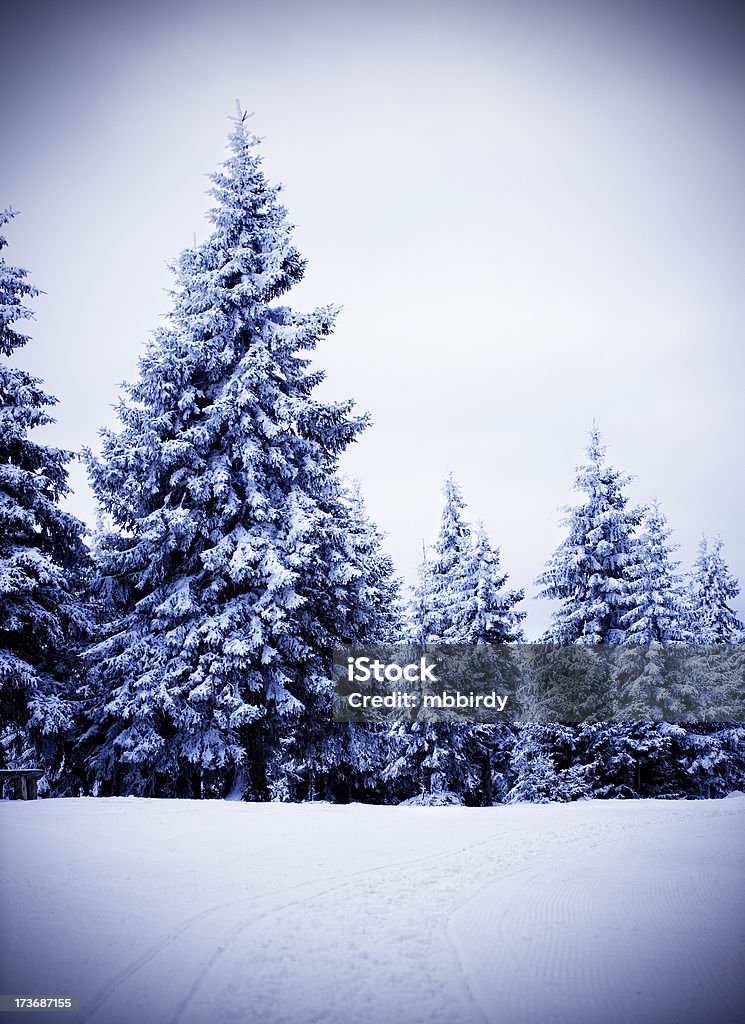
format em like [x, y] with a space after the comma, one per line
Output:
[484, 612]
[658, 608]
[590, 571]
[533, 768]
[42, 557]
[421, 624]
[447, 571]
[543, 765]
[230, 534]
[712, 590]
[378, 609]
[460, 599]
[650, 682]
[712, 755]
[343, 761]
[429, 762]
[428, 759]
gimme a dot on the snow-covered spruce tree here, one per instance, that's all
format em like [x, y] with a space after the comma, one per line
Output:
[447, 576]
[658, 610]
[713, 754]
[483, 611]
[460, 600]
[42, 559]
[242, 559]
[629, 759]
[658, 616]
[461, 596]
[428, 760]
[343, 762]
[589, 572]
[711, 760]
[712, 589]
[421, 624]
[543, 766]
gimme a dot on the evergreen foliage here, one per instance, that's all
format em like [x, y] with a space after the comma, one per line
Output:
[619, 584]
[447, 580]
[712, 589]
[484, 611]
[658, 608]
[232, 558]
[42, 559]
[461, 596]
[544, 765]
[241, 558]
[460, 599]
[590, 571]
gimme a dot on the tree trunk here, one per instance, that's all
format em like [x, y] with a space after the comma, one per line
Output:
[487, 795]
[256, 767]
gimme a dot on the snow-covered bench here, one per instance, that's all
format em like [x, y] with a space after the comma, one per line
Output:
[24, 781]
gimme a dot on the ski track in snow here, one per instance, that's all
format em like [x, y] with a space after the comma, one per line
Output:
[588, 912]
[174, 934]
[350, 881]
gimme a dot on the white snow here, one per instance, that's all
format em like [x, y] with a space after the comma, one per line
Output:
[180, 911]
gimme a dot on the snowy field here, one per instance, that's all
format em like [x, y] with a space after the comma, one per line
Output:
[176, 911]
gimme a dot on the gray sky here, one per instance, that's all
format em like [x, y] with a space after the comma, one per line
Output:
[532, 213]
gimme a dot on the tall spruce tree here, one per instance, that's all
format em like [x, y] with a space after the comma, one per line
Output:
[590, 571]
[240, 557]
[42, 557]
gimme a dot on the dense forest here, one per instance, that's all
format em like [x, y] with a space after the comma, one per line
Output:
[183, 648]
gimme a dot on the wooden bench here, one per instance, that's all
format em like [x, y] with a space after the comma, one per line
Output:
[24, 781]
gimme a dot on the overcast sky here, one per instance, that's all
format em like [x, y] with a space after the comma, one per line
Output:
[532, 213]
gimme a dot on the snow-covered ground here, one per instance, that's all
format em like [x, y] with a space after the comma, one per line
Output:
[177, 911]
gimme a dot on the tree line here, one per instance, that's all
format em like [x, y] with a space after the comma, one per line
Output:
[184, 648]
